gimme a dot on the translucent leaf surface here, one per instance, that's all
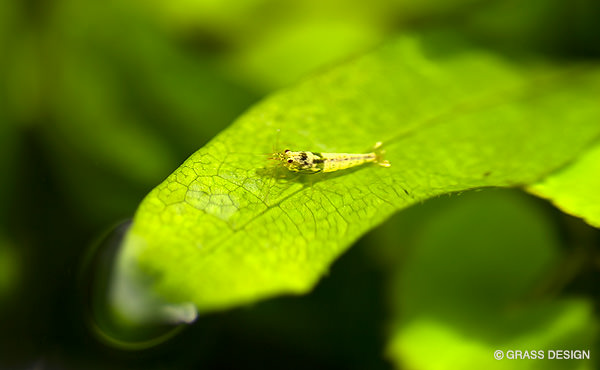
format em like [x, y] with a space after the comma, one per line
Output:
[223, 229]
[576, 188]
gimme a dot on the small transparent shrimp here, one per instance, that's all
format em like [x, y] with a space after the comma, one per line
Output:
[315, 162]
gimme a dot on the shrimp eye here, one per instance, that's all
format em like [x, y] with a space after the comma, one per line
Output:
[290, 160]
[286, 151]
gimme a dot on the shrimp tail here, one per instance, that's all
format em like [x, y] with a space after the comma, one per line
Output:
[379, 153]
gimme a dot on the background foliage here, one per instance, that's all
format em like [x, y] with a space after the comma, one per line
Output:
[101, 100]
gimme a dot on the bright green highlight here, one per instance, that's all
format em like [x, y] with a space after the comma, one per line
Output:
[576, 188]
[222, 230]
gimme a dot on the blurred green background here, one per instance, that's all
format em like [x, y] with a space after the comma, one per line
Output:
[101, 100]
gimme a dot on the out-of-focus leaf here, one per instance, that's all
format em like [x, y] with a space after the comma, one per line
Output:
[91, 114]
[8, 165]
[469, 284]
[283, 57]
[222, 230]
[270, 44]
[124, 103]
[218, 16]
[431, 9]
[575, 189]
[9, 269]
[250, 18]
[561, 326]
[8, 129]
[537, 26]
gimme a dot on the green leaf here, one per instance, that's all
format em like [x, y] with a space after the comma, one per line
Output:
[493, 295]
[224, 230]
[563, 325]
[574, 189]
